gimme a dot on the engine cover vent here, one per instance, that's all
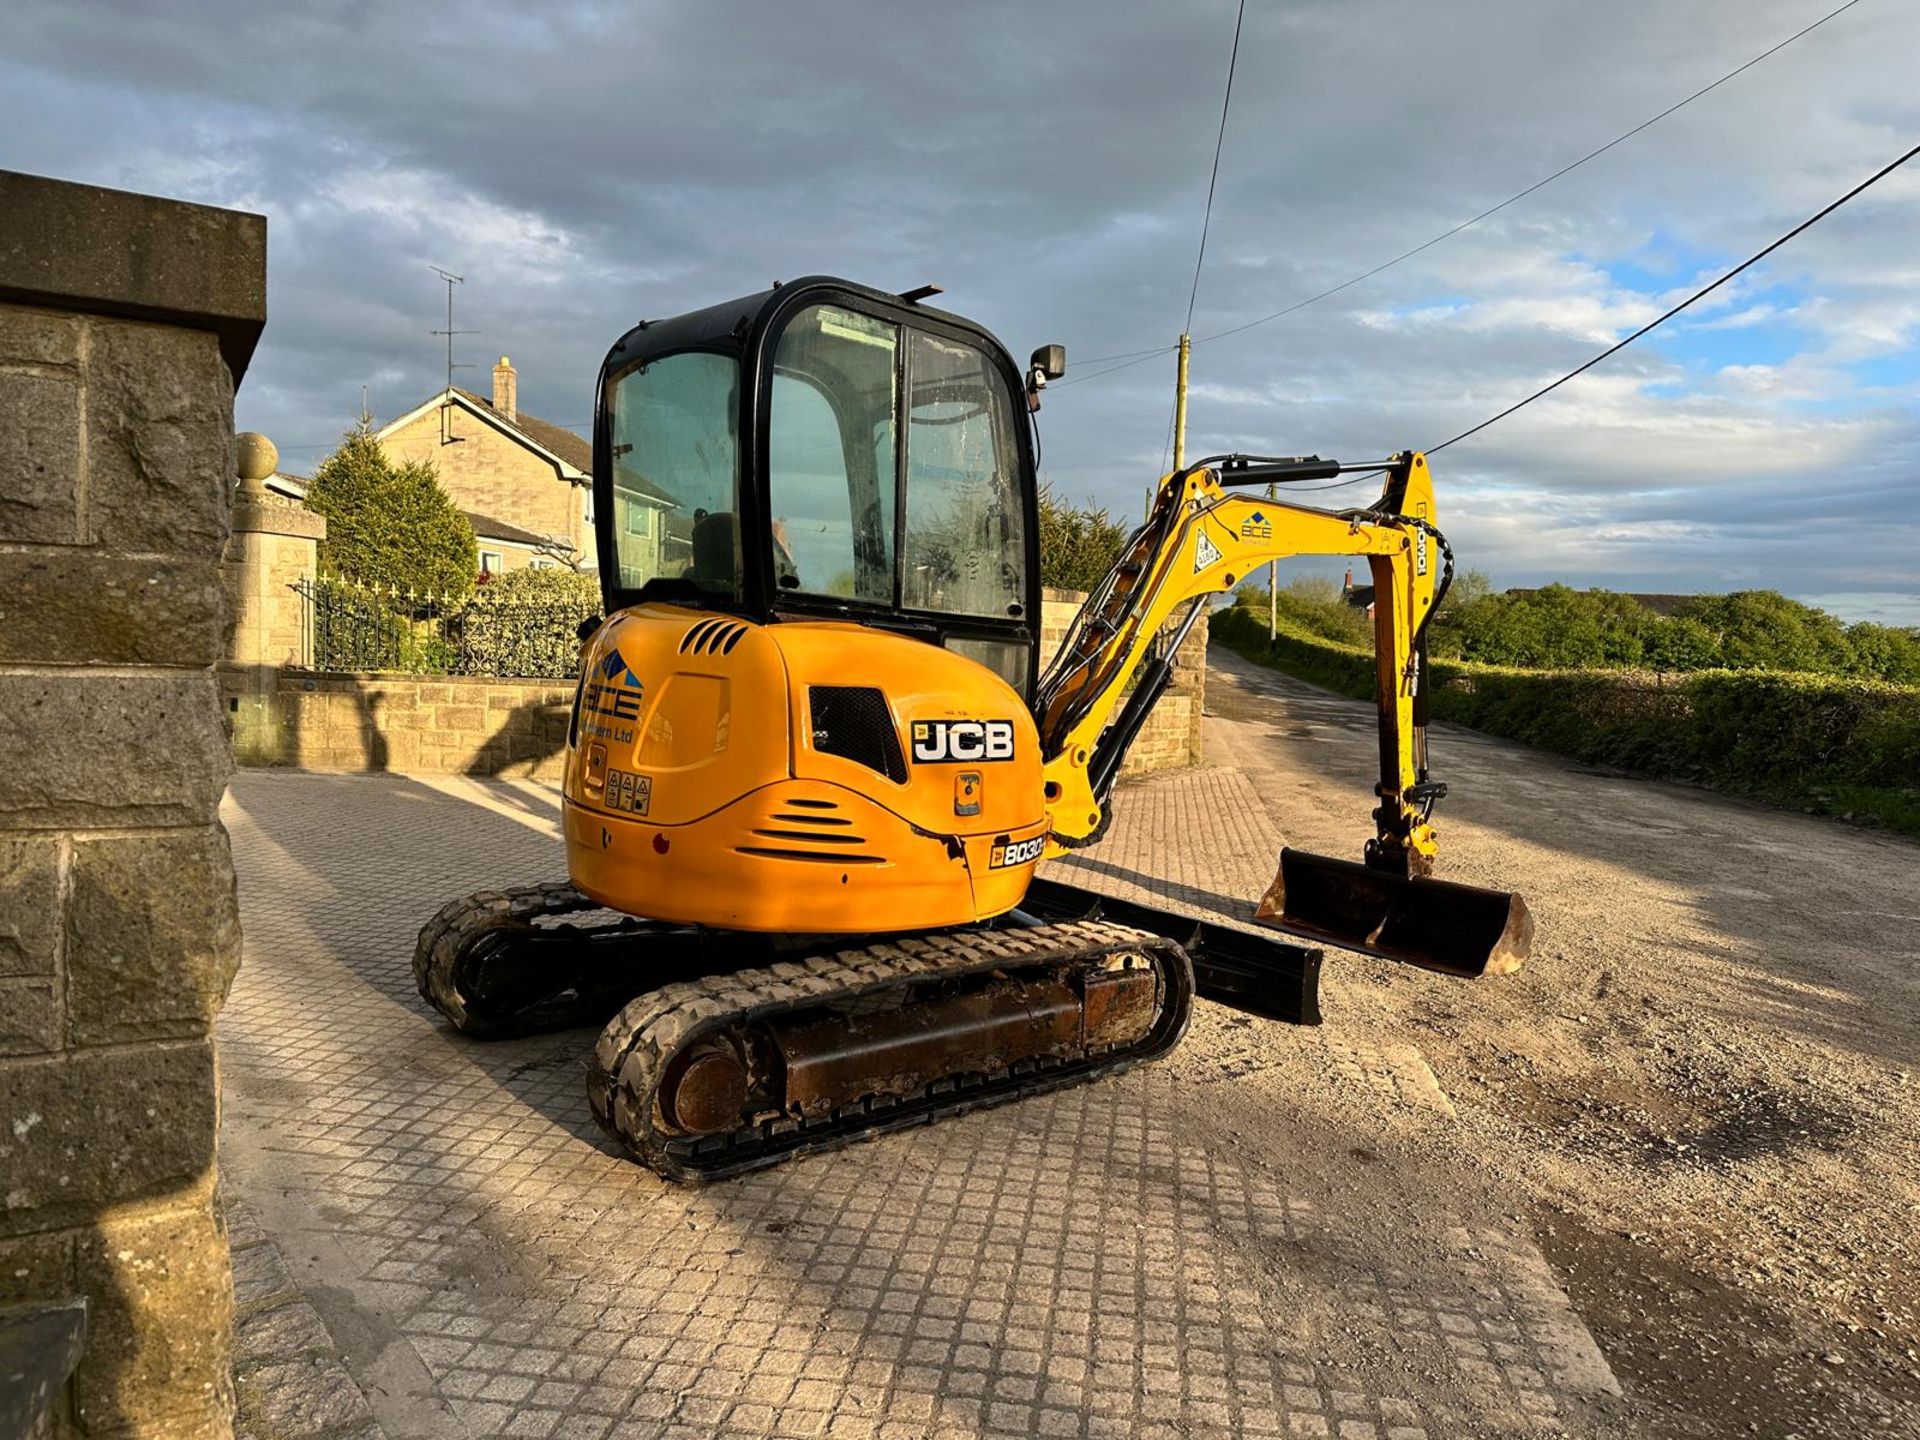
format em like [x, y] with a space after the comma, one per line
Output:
[853, 722]
[712, 637]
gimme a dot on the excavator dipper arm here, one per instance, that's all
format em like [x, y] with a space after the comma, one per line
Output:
[1200, 540]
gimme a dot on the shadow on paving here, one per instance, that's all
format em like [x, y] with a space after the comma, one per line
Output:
[1105, 1261]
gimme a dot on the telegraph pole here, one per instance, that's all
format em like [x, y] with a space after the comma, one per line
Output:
[1180, 405]
[1273, 582]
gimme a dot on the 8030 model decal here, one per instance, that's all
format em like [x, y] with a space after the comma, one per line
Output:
[1007, 854]
[935, 741]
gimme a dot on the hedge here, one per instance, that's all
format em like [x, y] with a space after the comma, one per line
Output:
[1825, 743]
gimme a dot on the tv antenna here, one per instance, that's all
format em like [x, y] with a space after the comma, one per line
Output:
[446, 403]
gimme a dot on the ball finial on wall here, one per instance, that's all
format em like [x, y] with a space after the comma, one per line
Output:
[258, 458]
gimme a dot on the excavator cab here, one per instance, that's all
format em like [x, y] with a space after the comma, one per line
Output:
[823, 451]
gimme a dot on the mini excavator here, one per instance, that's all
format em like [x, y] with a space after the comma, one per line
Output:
[813, 762]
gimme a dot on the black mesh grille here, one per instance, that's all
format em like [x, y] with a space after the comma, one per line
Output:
[853, 722]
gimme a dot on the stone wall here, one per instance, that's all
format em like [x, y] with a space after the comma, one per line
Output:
[484, 725]
[1171, 737]
[125, 323]
[421, 724]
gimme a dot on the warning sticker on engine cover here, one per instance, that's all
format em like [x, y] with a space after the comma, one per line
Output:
[628, 792]
[1205, 553]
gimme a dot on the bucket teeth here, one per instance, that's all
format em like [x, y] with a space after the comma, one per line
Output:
[1435, 924]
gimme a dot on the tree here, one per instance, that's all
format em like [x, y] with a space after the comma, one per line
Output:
[388, 524]
[1764, 630]
[1679, 642]
[1885, 652]
[1077, 545]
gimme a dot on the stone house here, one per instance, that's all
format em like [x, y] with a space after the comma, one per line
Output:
[524, 484]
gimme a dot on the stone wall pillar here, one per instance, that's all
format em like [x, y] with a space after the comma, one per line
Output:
[1158, 746]
[275, 546]
[125, 323]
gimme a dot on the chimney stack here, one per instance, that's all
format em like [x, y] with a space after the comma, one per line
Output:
[505, 389]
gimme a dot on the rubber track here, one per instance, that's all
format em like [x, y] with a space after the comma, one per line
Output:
[458, 923]
[630, 1058]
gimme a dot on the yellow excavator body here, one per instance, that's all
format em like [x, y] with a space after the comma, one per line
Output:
[757, 777]
[814, 759]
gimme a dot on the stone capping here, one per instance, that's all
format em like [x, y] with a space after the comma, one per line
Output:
[273, 515]
[330, 680]
[139, 257]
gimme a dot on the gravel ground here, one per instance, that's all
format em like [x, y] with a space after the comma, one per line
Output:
[1699, 1095]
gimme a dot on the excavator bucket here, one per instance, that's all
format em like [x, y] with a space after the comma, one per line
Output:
[1435, 924]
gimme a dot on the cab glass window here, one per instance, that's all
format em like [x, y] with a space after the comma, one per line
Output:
[831, 453]
[673, 424]
[966, 543]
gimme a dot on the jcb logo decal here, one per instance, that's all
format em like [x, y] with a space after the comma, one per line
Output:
[935, 741]
[1019, 852]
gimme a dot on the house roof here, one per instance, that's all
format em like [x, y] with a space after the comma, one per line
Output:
[1662, 604]
[485, 527]
[573, 453]
[575, 450]
[1659, 604]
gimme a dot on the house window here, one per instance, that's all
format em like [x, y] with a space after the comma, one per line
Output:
[491, 562]
[541, 564]
[639, 520]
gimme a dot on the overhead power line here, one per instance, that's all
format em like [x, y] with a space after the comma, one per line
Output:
[1537, 185]
[1130, 358]
[1699, 294]
[1142, 356]
[1220, 140]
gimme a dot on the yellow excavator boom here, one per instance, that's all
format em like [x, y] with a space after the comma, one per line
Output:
[1200, 540]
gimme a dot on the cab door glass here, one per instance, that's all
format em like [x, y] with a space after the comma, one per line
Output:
[675, 481]
[966, 542]
[831, 447]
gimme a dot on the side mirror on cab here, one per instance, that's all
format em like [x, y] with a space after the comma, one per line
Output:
[1049, 362]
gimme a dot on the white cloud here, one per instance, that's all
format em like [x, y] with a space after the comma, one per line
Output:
[587, 165]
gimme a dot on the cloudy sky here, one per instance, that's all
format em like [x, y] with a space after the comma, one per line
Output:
[587, 165]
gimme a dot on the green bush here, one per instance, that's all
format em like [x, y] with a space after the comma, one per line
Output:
[577, 590]
[388, 525]
[1078, 544]
[523, 623]
[1830, 743]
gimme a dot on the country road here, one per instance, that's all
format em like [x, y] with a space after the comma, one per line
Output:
[1702, 1087]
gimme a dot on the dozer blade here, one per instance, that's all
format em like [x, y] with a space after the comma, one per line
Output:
[1435, 924]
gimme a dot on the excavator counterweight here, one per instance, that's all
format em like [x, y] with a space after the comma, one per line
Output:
[813, 763]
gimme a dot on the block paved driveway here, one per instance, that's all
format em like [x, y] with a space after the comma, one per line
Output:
[1215, 1245]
